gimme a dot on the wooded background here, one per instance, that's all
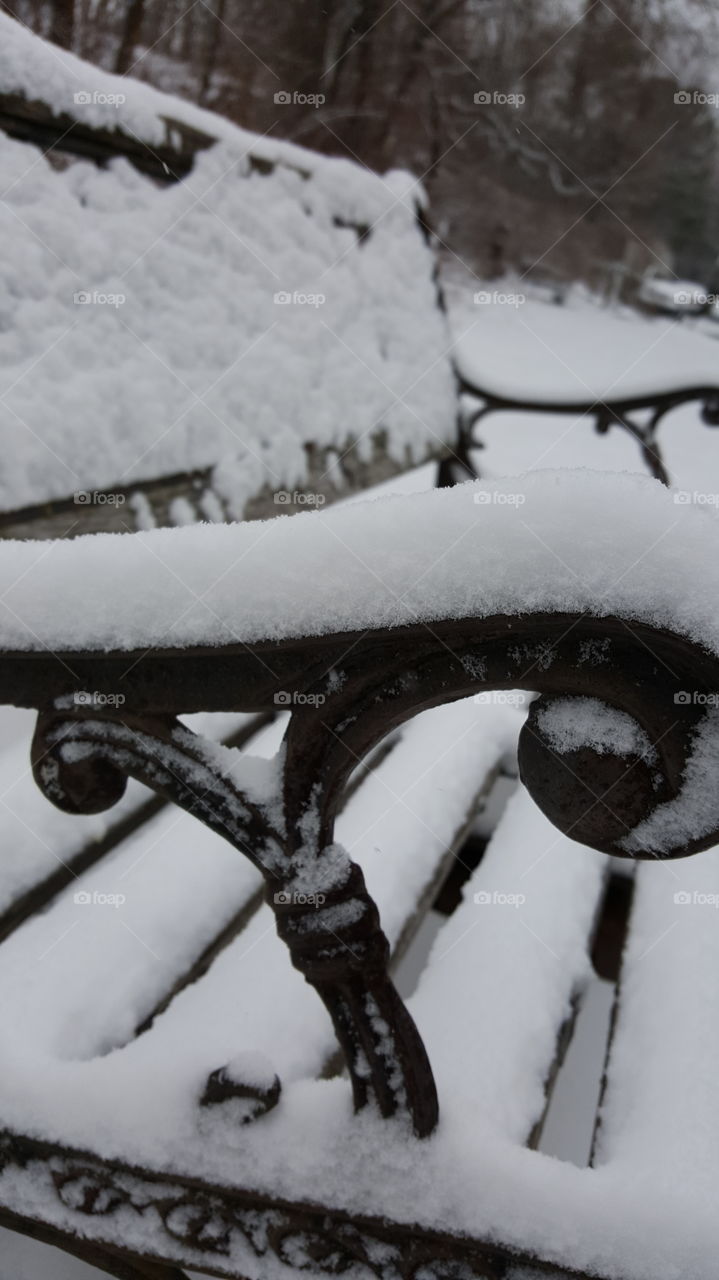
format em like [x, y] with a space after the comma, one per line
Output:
[599, 163]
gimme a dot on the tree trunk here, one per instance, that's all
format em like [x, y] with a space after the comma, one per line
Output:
[62, 23]
[130, 37]
[217, 22]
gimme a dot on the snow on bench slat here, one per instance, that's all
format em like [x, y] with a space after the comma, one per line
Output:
[511, 957]
[121, 934]
[398, 826]
[533, 543]
[563, 355]
[182, 883]
[38, 839]
[660, 1122]
[251, 320]
[470, 1177]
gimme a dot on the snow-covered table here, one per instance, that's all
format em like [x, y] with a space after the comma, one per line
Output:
[132, 1067]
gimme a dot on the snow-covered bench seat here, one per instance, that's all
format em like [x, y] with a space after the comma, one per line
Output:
[265, 332]
[599, 369]
[170, 1095]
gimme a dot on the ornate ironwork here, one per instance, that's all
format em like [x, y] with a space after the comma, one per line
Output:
[606, 414]
[352, 690]
[212, 1226]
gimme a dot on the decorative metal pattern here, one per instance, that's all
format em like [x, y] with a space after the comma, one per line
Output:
[606, 414]
[212, 1226]
[370, 684]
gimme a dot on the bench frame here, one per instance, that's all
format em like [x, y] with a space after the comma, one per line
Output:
[388, 677]
[613, 412]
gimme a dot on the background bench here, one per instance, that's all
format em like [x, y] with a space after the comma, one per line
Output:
[576, 385]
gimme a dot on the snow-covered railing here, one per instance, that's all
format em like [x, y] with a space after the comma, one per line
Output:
[595, 591]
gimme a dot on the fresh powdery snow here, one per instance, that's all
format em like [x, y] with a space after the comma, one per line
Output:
[34, 68]
[505, 967]
[224, 321]
[548, 541]
[569, 724]
[500, 980]
[572, 354]
[576, 354]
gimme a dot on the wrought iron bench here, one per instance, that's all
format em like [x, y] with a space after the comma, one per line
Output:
[596, 395]
[146, 1140]
[141, 385]
[385, 363]
[266, 1173]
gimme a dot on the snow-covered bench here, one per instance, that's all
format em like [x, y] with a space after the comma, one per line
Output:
[265, 332]
[596, 371]
[160, 1100]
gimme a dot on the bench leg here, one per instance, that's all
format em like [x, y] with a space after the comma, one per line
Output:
[455, 469]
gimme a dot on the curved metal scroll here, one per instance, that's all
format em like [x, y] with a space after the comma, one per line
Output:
[323, 911]
[615, 751]
[606, 414]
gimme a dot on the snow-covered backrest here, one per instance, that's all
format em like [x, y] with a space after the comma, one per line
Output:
[257, 320]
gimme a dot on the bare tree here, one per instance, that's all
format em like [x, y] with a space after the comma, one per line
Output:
[130, 36]
[217, 23]
[62, 23]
